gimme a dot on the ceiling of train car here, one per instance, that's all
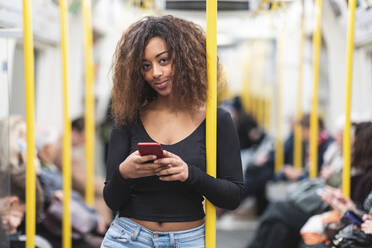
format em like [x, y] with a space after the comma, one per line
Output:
[200, 5]
[223, 5]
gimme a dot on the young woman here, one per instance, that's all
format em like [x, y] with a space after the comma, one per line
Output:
[159, 95]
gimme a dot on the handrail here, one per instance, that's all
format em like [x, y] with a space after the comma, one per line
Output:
[66, 240]
[89, 101]
[297, 159]
[314, 109]
[30, 125]
[211, 117]
[348, 88]
[279, 147]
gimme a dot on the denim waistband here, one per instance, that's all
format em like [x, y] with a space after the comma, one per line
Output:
[136, 229]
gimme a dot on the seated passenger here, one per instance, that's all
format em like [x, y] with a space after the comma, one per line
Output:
[78, 168]
[255, 146]
[260, 169]
[281, 223]
[348, 228]
[12, 209]
[12, 143]
[324, 140]
[52, 183]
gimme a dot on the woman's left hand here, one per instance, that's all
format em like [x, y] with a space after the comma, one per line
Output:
[173, 168]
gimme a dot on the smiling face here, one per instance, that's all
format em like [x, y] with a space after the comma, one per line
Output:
[157, 66]
[11, 214]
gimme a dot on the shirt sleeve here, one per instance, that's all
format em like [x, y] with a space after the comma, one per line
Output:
[226, 190]
[117, 189]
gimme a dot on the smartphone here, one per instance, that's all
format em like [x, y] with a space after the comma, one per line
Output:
[150, 148]
[354, 217]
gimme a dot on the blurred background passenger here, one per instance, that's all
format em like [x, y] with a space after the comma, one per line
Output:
[343, 227]
[46, 139]
[324, 140]
[78, 168]
[255, 145]
[12, 209]
[281, 223]
[13, 140]
[249, 132]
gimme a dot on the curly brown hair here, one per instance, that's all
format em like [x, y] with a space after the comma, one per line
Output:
[186, 44]
[362, 147]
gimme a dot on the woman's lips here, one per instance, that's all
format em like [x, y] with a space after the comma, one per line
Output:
[161, 85]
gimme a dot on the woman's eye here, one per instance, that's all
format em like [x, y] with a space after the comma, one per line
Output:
[163, 60]
[145, 67]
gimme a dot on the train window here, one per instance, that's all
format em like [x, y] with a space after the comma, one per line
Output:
[5, 45]
[17, 81]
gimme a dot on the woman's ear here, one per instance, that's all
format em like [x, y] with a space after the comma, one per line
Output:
[13, 201]
[6, 203]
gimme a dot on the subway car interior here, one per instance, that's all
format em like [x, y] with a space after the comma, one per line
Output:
[296, 81]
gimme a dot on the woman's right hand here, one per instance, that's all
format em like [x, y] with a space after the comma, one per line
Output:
[136, 166]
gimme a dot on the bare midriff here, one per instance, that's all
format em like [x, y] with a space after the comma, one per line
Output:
[169, 226]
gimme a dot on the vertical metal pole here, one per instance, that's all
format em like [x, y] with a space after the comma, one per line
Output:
[268, 108]
[211, 116]
[254, 105]
[279, 149]
[298, 131]
[246, 87]
[89, 101]
[30, 124]
[66, 241]
[261, 108]
[314, 110]
[260, 84]
[349, 71]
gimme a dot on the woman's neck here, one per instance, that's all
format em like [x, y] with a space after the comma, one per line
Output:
[167, 104]
[164, 102]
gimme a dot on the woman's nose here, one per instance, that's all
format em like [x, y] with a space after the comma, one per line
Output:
[156, 71]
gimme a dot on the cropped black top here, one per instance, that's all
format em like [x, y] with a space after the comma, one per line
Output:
[151, 199]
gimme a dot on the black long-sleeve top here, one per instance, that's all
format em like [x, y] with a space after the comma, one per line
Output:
[151, 199]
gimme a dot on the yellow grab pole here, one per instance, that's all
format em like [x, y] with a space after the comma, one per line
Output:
[298, 131]
[268, 108]
[246, 89]
[89, 101]
[260, 86]
[267, 114]
[211, 116]
[66, 241]
[254, 105]
[246, 95]
[349, 70]
[30, 124]
[314, 109]
[279, 149]
[261, 110]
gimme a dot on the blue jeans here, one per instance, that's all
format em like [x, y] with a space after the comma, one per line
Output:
[125, 233]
